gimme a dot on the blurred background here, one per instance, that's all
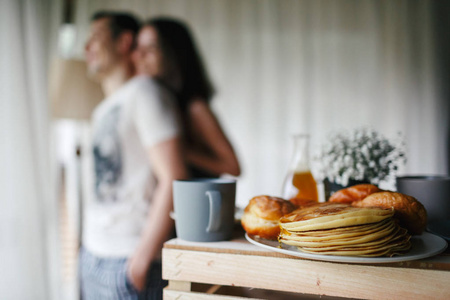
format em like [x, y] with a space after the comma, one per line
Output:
[280, 67]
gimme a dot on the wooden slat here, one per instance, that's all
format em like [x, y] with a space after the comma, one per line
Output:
[242, 246]
[177, 285]
[305, 276]
[178, 295]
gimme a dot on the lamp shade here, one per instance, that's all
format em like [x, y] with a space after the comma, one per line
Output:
[73, 94]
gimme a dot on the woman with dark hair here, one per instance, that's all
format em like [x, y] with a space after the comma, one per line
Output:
[166, 51]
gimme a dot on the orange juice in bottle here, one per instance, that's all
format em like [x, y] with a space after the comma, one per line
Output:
[300, 182]
[306, 185]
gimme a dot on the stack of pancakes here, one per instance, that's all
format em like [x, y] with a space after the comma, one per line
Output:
[340, 229]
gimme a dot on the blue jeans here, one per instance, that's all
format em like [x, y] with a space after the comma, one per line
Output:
[106, 279]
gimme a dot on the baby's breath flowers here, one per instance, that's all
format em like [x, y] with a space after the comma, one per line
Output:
[363, 155]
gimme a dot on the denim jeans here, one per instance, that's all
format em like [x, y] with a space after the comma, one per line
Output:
[106, 279]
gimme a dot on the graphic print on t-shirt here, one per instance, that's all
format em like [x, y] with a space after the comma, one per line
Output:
[107, 157]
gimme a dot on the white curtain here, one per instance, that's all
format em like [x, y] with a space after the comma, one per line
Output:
[290, 66]
[280, 67]
[28, 231]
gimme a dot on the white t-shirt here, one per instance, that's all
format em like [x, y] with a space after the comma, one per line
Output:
[125, 125]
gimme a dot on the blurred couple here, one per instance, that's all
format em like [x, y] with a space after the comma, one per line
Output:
[154, 126]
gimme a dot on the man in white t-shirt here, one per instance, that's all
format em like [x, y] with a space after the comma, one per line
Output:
[136, 153]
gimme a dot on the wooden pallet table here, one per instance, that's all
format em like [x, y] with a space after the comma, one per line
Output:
[237, 263]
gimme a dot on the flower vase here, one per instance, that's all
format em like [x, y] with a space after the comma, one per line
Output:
[332, 187]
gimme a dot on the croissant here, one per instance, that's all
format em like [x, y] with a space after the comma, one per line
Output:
[407, 209]
[354, 193]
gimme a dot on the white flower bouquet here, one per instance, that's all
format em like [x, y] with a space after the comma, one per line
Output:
[361, 155]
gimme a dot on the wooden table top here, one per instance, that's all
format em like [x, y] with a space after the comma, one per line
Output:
[239, 263]
[239, 245]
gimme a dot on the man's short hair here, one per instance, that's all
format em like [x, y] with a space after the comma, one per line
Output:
[119, 22]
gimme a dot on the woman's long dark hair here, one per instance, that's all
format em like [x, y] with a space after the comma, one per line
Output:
[184, 70]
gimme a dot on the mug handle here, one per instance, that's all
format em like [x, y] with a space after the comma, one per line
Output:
[215, 203]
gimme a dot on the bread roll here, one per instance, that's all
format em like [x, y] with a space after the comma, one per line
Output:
[262, 214]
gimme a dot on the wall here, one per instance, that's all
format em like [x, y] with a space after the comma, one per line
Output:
[286, 67]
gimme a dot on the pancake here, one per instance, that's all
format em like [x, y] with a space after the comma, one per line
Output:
[370, 242]
[342, 232]
[332, 215]
[399, 241]
[344, 238]
[339, 229]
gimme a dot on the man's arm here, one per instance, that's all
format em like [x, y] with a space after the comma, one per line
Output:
[168, 165]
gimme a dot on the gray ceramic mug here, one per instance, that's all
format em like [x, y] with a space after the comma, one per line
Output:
[204, 209]
[432, 191]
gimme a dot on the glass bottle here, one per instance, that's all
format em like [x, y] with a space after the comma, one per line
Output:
[299, 182]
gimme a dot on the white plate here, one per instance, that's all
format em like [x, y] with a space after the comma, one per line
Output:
[423, 246]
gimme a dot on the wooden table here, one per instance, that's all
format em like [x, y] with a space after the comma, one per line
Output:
[237, 263]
